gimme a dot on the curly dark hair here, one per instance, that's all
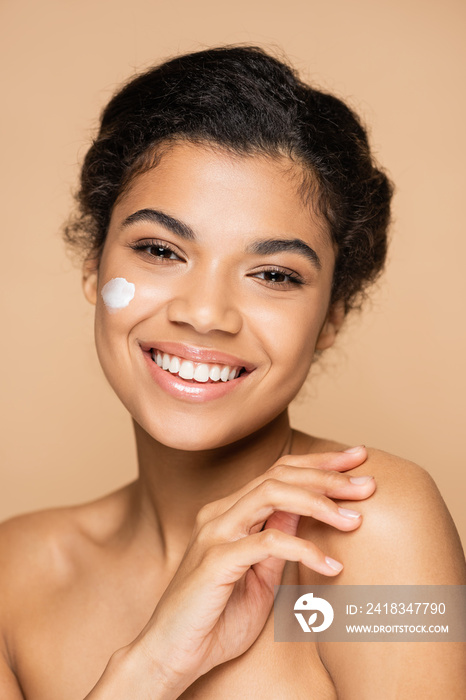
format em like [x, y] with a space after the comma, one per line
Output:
[244, 100]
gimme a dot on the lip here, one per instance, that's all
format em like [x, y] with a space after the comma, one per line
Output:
[182, 389]
[196, 354]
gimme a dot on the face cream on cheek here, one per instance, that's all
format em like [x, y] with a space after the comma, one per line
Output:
[117, 293]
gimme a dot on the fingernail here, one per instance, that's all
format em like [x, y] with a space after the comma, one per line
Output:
[353, 450]
[335, 565]
[360, 479]
[347, 513]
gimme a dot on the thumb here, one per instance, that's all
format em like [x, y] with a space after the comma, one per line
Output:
[286, 522]
[270, 570]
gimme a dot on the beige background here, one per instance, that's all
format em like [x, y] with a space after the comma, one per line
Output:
[397, 378]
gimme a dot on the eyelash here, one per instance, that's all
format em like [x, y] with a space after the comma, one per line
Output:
[142, 246]
[293, 277]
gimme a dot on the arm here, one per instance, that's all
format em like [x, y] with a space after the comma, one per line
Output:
[9, 687]
[219, 599]
[408, 537]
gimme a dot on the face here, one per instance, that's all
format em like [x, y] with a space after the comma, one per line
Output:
[214, 268]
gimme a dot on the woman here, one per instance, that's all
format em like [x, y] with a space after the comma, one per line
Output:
[230, 218]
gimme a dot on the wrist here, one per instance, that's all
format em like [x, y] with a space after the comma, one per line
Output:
[144, 676]
[133, 673]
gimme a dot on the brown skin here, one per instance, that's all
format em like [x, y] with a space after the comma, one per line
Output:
[176, 592]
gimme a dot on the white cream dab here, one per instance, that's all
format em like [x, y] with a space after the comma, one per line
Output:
[117, 293]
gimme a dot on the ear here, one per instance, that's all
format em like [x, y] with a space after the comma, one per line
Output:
[332, 324]
[90, 279]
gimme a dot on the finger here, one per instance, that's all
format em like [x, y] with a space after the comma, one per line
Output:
[323, 461]
[283, 521]
[229, 561]
[326, 462]
[326, 482]
[335, 461]
[339, 461]
[270, 570]
[271, 496]
[329, 483]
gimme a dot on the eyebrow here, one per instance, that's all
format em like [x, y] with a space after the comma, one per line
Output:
[159, 217]
[270, 246]
[267, 246]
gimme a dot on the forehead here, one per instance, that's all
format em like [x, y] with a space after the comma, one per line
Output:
[206, 184]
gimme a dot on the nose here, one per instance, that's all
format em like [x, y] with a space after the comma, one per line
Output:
[206, 304]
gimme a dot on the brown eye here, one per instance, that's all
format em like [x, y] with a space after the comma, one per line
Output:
[272, 276]
[279, 278]
[159, 251]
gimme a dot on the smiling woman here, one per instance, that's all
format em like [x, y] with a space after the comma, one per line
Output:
[230, 217]
[225, 251]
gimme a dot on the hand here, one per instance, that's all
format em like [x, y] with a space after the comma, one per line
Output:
[221, 595]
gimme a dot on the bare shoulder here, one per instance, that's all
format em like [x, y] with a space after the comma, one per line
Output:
[406, 536]
[34, 543]
[33, 565]
[49, 548]
[44, 558]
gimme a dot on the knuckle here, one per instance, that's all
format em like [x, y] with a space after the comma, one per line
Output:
[278, 471]
[312, 550]
[283, 461]
[205, 514]
[204, 534]
[212, 555]
[317, 501]
[334, 480]
[269, 488]
[270, 537]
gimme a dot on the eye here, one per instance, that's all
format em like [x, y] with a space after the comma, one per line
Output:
[278, 277]
[158, 250]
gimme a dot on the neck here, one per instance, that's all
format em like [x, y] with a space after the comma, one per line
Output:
[174, 484]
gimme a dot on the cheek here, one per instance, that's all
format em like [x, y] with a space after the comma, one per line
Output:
[123, 303]
[126, 300]
[117, 293]
[290, 332]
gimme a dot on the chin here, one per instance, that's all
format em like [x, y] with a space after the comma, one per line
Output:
[192, 436]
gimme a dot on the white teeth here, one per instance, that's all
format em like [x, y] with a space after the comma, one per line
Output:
[186, 370]
[214, 373]
[201, 373]
[174, 365]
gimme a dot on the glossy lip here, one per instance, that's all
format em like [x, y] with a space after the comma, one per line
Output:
[186, 390]
[196, 354]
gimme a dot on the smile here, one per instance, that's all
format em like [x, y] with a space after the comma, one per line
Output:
[195, 371]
